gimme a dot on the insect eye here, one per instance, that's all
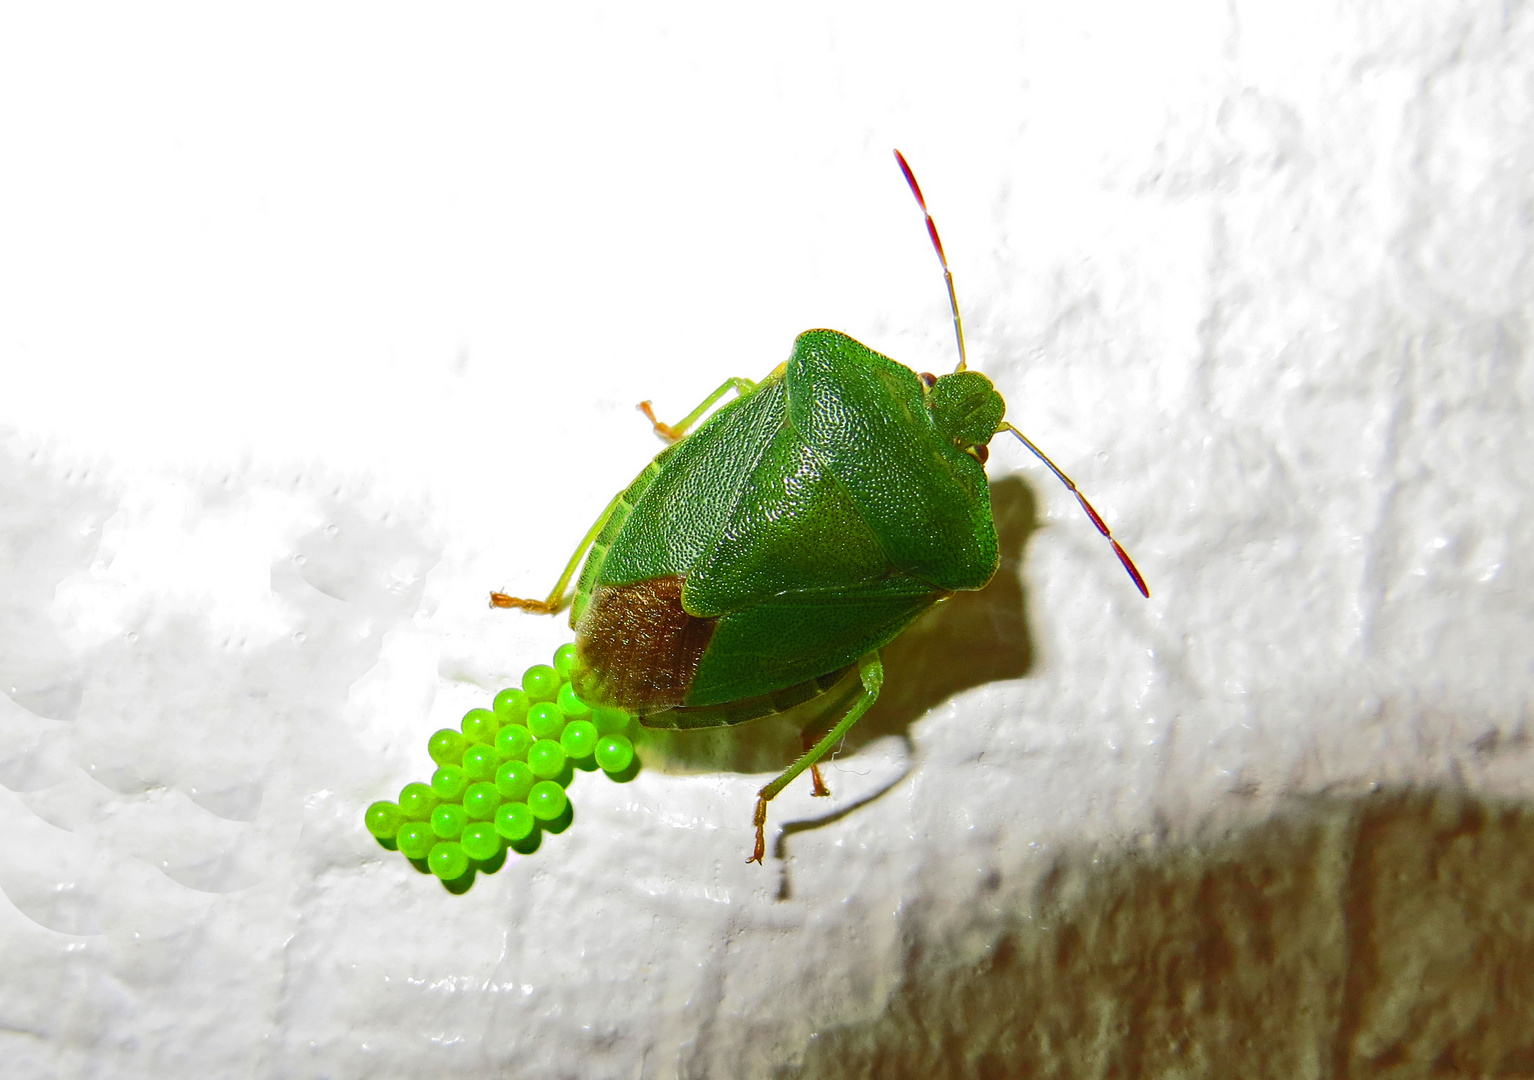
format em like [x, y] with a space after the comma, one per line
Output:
[982, 453]
[928, 378]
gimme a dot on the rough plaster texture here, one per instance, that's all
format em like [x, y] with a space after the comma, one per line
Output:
[318, 324]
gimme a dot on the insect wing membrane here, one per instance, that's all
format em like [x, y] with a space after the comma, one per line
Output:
[795, 637]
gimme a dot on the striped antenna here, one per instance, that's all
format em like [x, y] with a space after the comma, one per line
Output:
[958, 333]
[1102, 526]
[937, 245]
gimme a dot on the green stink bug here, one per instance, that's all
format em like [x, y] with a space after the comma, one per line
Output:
[756, 561]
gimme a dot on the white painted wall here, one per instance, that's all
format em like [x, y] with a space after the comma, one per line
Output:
[317, 324]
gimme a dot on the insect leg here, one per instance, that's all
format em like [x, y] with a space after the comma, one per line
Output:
[1097, 520]
[871, 672]
[807, 742]
[674, 432]
[557, 598]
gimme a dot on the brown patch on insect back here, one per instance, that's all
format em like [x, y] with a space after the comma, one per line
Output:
[638, 648]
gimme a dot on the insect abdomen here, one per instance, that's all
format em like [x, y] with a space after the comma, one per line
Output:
[639, 650]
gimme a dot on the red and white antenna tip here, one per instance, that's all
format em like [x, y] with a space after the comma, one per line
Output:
[942, 257]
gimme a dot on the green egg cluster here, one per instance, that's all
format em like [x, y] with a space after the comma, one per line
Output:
[502, 775]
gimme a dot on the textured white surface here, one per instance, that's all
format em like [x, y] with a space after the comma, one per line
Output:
[315, 326]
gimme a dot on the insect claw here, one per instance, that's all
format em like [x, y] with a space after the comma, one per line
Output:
[665, 431]
[537, 607]
[821, 791]
[760, 819]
